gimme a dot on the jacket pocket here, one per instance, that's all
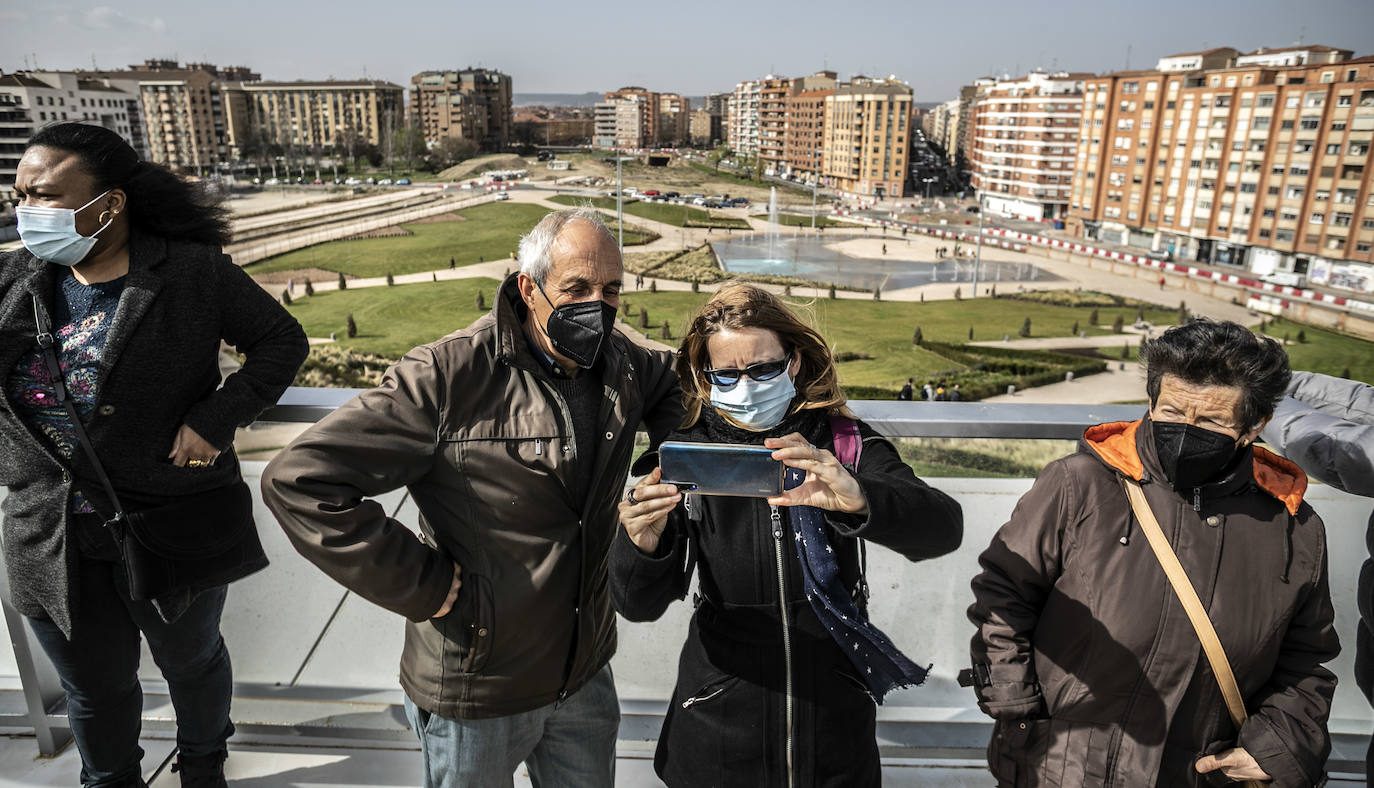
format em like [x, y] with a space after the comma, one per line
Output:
[709, 692]
[469, 629]
[1018, 752]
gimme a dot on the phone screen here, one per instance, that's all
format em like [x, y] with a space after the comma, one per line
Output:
[721, 469]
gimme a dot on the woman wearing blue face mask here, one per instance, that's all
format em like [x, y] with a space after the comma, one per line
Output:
[777, 679]
[111, 320]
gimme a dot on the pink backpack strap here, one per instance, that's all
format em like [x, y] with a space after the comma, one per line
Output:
[848, 446]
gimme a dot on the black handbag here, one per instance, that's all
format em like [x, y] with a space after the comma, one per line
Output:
[193, 543]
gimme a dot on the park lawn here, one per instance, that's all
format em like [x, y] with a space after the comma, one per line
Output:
[676, 215]
[491, 232]
[392, 320]
[1325, 351]
[804, 220]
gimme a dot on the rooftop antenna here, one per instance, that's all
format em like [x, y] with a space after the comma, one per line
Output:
[1302, 34]
[1128, 57]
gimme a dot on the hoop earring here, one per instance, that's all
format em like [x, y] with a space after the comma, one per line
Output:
[103, 214]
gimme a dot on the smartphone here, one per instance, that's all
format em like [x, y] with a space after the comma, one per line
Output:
[721, 469]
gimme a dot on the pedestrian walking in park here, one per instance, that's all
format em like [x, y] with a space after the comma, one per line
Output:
[907, 390]
[1161, 283]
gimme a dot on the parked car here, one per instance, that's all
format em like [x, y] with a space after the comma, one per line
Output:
[403, 182]
[670, 195]
[973, 209]
[502, 196]
[272, 182]
[352, 181]
[650, 192]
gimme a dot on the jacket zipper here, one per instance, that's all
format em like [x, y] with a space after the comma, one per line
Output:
[687, 704]
[776, 517]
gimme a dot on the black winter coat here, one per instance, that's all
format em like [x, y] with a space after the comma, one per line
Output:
[159, 369]
[726, 724]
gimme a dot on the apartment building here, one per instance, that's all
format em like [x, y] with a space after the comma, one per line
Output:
[1262, 166]
[867, 137]
[938, 123]
[773, 95]
[804, 140]
[620, 123]
[645, 103]
[1025, 133]
[30, 100]
[320, 117]
[674, 119]
[472, 104]
[742, 118]
[705, 128]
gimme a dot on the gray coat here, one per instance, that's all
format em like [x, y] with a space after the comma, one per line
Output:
[1326, 426]
[160, 369]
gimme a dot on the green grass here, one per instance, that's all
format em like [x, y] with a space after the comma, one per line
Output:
[804, 220]
[392, 320]
[491, 233]
[676, 215]
[1325, 351]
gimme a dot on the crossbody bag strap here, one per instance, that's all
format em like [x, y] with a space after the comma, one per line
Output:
[849, 447]
[1197, 614]
[47, 344]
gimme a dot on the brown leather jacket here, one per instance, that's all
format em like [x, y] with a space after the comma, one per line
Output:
[1096, 675]
[471, 425]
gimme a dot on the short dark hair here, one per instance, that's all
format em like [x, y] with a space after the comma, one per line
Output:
[1220, 353]
[160, 202]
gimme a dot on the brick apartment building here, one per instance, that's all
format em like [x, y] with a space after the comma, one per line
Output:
[311, 117]
[472, 104]
[1265, 165]
[867, 137]
[674, 119]
[804, 144]
[1025, 132]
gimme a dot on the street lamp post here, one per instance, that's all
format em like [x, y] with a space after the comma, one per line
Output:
[619, 201]
[978, 249]
[815, 184]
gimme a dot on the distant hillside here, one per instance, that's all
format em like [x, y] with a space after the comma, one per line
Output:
[575, 100]
[556, 99]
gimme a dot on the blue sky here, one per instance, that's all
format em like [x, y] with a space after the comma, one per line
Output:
[693, 48]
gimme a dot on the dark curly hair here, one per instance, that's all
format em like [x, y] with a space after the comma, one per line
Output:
[159, 202]
[1221, 353]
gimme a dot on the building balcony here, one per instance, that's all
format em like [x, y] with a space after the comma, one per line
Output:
[316, 698]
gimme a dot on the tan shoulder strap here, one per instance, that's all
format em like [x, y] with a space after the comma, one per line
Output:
[1183, 587]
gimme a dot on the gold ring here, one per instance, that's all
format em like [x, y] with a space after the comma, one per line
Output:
[197, 463]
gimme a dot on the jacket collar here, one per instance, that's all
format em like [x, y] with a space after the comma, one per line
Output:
[1128, 448]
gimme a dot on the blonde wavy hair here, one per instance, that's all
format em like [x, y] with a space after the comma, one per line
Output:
[739, 306]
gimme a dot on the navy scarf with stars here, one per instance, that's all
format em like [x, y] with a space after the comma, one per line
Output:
[881, 664]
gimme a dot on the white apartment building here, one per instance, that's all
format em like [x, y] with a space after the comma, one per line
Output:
[1025, 137]
[742, 118]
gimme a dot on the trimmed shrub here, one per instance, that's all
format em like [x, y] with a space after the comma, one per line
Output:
[286, 298]
[1074, 330]
[309, 288]
[351, 328]
[643, 317]
[390, 281]
[343, 282]
[653, 287]
[1118, 325]
[1092, 317]
[877, 294]
[480, 301]
[917, 337]
[1025, 329]
[832, 292]
[666, 332]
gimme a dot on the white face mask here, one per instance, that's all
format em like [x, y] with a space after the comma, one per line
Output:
[51, 235]
[756, 404]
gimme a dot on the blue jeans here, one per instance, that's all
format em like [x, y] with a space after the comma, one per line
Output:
[569, 744]
[98, 668]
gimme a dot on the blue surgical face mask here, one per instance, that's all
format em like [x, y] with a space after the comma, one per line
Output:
[50, 233]
[756, 404]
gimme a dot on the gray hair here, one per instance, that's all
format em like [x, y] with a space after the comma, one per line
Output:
[535, 246]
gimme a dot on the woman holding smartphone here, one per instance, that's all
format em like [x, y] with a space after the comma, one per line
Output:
[781, 668]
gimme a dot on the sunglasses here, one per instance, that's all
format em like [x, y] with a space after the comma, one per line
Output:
[764, 370]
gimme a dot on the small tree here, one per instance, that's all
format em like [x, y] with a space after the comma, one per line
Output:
[1118, 324]
[351, 327]
[666, 332]
[1264, 326]
[433, 277]
[1302, 336]
[993, 291]
[1126, 350]
[343, 282]
[1182, 312]
[309, 288]
[832, 292]
[653, 286]
[286, 298]
[958, 294]
[643, 317]
[696, 286]
[625, 307]
[390, 280]
[1025, 328]
[877, 294]
[1140, 314]
[787, 290]
[917, 337]
[1285, 339]
[1092, 317]
[1345, 373]
[1074, 330]
[481, 301]
[970, 333]
[923, 296]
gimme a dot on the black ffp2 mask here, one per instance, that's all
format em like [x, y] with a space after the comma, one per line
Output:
[579, 330]
[1190, 455]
